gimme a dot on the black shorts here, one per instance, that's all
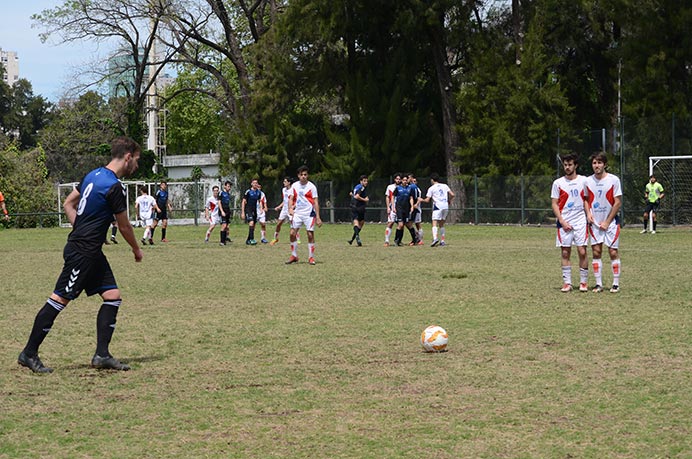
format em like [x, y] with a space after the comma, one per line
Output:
[80, 273]
[226, 218]
[163, 215]
[358, 213]
[251, 216]
[403, 214]
[651, 207]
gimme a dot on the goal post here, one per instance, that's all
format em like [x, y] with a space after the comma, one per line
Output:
[674, 173]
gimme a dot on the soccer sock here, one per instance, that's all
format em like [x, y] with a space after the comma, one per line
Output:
[105, 325]
[311, 249]
[387, 233]
[597, 265]
[42, 325]
[263, 233]
[654, 225]
[146, 232]
[276, 235]
[399, 235]
[434, 233]
[420, 234]
[151, 234]
[223, 237]
[583, 275]
[297, 236]
[646, 220]
[114, 231]
[442, 234]
[251, 233]
[615, 266]
[412, 232]
[163, 233]
[567, 275]
[294, 249]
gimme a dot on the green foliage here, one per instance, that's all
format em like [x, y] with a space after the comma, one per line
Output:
[22, 114]
[25, 186]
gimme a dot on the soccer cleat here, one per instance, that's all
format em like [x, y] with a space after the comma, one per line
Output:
[151, 242]
[144, 241]
[292, 260]
[350, 242]
[222, 244]
[566, 288]
[442, 244]
[358, 241]
[108, 363]
[434, 243]
[253, 242]
[247, 242]
[386, 244]
[114, 240]
[583, 287]
[420, 242]
[206, 240]
[653, 232]
[597, 289]
[412, 243]
[398, 243]
[615, 288]
[298, 241]
[311, 260]
[164, 240]
[273, 242]
[264, 241]
[33, 363]
[642, 231]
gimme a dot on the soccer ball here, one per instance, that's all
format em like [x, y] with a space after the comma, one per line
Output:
[434, 339]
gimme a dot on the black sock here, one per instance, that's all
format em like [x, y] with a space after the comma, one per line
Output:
[645, 223]
[151, 236]
[163, 233]
[399, 235]
[414, 238]
[654, 225]
[42, 325]
[114, 231]
[223, 237]
[251, 233]
[105, 326]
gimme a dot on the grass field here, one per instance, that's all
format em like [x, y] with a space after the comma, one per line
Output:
[237, 355]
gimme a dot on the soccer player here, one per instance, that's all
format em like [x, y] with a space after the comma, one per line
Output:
[567, 195]
[248, 210]
[90, 208]
[211, 211]
[441, 196]
[304, 206]
[162, 215]
[391, 207]
[282, 209]
[653, 195]
[225, 211]
[146, 205]
[359, 199]
[604, 199]
[403, 197]
[262, 214]
[3, 207]
[416, 213]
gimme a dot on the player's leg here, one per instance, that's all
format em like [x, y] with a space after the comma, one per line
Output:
[565, 254]
[645, 220]
[164, 227]
[295, 224]
[653, 218]
[597, 265]
[583, 269]
[615, 266]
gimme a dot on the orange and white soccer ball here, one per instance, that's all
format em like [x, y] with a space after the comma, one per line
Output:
[434, 339]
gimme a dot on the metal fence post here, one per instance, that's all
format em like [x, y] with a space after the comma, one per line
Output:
[475, 198]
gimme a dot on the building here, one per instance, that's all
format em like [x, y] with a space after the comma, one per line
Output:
[10, 64]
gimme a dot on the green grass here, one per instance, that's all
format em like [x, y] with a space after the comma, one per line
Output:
[235, 354]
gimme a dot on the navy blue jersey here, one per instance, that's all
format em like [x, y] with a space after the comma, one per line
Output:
[225, 200]
[252, 197]
[102, 196]
[402, 194]
[162, 199]
[415, 192]
[361, 191]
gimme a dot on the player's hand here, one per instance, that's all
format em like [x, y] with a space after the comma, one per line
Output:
[319, 222]
[138, 254]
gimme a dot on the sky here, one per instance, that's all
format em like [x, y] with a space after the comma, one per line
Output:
[48, 66]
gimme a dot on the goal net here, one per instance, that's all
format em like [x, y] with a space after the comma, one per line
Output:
[674, 173]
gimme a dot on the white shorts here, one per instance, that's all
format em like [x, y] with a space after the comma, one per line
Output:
[148, 221]
[609, 237]
[262, 218]
[440, 214]
[303, 220]
[215, 219]
[577, 236]
[283, 216]
[419, 216]
[391, 218]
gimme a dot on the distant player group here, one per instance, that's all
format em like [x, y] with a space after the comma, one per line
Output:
[586, 208]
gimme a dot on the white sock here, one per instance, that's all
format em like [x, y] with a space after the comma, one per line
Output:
[567, 275]
[434, 233]
[597, 270]
[615, 266]
[583, 275]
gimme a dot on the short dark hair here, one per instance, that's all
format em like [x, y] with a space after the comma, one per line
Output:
[362, 177]
[215, 187]
[227, 182]
[570, 157]
[163, 181]
[289, 179]
[599, 156]
[302, 169]
[435, 177]
[122, 145]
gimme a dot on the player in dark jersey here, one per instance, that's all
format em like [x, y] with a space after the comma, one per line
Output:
[248, 210]
[164, 207]
[359, 198]
[403, 195]
[90, 208]
[225, 211]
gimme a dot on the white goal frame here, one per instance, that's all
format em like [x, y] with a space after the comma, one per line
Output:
[653, 161]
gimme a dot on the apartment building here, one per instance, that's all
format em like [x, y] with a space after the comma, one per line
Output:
[10, 64]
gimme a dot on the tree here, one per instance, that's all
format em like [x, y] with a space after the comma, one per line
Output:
[22, 115]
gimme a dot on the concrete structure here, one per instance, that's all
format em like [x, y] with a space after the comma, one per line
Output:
[180, 166]
[10, 62]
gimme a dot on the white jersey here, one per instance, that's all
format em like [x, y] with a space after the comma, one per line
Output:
[601, 196]
[261, 204]
[213, 206]
[146, 204]
[439, 192]
[389, 193]
[570, 199]
[304, 197]
[286, 193]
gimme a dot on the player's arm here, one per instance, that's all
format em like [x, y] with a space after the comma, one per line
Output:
[128, 233]
[558, 215]
[613, 212]
[278, 208]
[316, 206]
[242, 208]
[70, 205]
[450, 195]
[291, 204]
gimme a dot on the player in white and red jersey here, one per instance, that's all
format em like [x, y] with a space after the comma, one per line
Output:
[283, 211]
[211, 211]
[391, 207]
[262, 215]
[567, 197]
[604, 199]
[304, 206]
